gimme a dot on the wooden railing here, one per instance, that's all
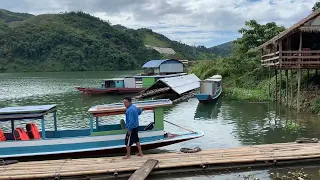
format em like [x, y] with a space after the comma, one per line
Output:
[292, 59]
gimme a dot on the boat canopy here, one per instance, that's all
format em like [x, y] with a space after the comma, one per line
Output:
[119, 108]
[114, 79]
[29, 112]
[25, 112]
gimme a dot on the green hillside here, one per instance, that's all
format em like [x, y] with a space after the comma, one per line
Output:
[183, 50]
[224, 49]
[77, 41]
[70, 41]
[8, 16]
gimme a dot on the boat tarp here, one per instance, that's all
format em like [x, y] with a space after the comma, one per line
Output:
[179, 84]
[119, 107]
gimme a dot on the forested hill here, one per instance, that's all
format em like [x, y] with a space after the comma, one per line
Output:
[77, 41]
[8, 16]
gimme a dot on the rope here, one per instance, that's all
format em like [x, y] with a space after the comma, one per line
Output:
[180, 126]
[57, 176]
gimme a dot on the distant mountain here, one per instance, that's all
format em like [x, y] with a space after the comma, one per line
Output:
[224, 49]
[8, 16]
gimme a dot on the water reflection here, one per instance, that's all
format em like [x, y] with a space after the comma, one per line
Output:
[209, 110]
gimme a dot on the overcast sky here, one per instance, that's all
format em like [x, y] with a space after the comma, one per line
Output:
[194, 22]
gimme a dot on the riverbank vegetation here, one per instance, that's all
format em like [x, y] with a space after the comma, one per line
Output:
[77, 41]
[245, 79]
[243, 76]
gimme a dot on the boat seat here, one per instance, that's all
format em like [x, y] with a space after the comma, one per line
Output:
[20, 135]
[32, 131]
[2, 136]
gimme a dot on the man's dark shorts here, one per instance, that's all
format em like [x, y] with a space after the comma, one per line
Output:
[132, 138]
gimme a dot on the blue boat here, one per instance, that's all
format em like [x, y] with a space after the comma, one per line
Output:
[99, 139]
[210, 89]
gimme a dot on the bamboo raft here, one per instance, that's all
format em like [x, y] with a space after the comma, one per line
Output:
[218, 159]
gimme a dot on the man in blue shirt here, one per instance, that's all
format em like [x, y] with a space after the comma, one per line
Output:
[132, 125]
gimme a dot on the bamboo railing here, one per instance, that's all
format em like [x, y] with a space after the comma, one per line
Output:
[305, 59]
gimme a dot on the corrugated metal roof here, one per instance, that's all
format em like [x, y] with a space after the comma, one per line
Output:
[157, 63]
[182, 84]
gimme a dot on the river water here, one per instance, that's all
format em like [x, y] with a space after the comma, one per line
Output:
[225, 123]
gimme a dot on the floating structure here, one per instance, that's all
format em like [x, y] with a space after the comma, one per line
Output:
[210, 89]
[169, 163]
[154, 70]
[127, 85]
[295, 49]
[163, 66]
[98, 139]
[172, 88]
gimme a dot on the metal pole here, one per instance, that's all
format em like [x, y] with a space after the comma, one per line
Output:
[43, 129]
[91, 124]
[97, 123]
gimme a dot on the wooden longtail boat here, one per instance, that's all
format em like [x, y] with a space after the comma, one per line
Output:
[98, 139]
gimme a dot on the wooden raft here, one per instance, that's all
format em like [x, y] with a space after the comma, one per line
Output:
[249, 156]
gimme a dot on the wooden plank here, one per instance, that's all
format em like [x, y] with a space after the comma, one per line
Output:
[302, 57]
[272, 54]
[143, 172]
[271, 59]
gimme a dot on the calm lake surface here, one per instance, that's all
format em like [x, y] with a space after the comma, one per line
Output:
[225, 123]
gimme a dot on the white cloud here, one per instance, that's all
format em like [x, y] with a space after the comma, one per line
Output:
[193, 22]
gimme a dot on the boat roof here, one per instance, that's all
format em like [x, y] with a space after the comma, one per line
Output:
[25, 112]
[114, 79]
[157, 63]
[158, 76]
[215, 78]
[119, 108]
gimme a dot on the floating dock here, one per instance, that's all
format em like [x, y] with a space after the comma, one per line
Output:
[218, 160]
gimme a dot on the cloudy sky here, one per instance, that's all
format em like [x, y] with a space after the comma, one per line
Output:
[195, 22]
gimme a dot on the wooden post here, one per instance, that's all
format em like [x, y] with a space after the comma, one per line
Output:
[299, 75]
[280, 63]
[287, 79]
[308, 74]
[280, 86]
[276, 87]
[143, 172]
[316, 72]
[269, 82]
[291, 86]
[298, 93]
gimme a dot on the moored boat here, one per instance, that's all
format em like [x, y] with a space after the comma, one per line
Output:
[126, 85]
[153, 71]
[210, 89]
[98, 139]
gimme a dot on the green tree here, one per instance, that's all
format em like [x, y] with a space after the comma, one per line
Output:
[316, 6]
[256, 34]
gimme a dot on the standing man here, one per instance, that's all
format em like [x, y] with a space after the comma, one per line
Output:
[132, 125]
